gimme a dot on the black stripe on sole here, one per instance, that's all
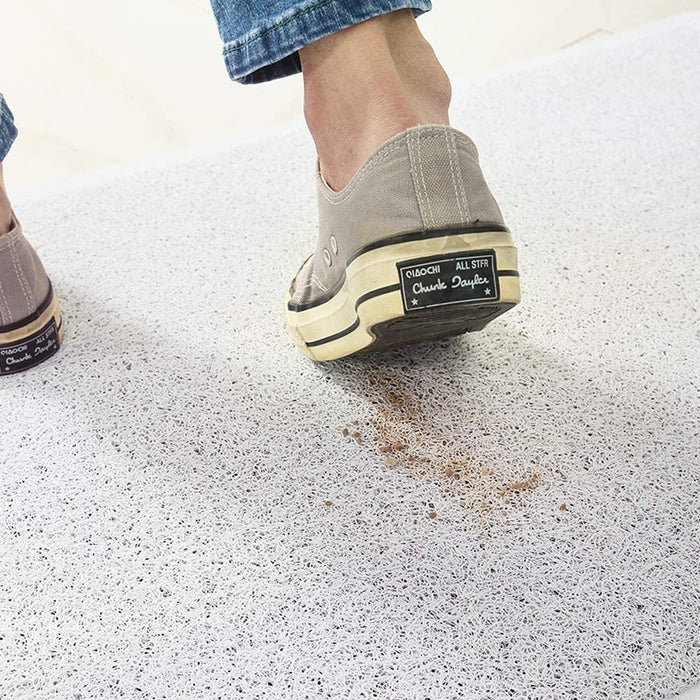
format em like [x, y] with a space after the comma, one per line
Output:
[356, 323]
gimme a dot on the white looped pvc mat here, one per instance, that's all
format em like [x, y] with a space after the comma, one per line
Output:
[191, 509]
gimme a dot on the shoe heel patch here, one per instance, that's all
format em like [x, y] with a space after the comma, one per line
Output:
[439, 280]
[30, 351]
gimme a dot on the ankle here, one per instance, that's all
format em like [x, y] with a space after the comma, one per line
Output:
[424, 78]
[346, 132]
[418, 67]
[5, 208]
[366, 84]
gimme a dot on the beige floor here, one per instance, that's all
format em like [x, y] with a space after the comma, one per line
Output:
[94, 83]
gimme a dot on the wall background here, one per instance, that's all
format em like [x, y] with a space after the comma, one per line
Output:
[94, 82]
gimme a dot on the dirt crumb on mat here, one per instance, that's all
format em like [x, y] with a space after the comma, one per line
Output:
[527, 485]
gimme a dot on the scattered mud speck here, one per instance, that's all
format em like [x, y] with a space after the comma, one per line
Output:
[432, 514]
[563, 506]
[328, 503]
[528, 485]
[346, 432]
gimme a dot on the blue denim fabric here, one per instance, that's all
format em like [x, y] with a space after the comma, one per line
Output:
[8, 130]
[262, 37]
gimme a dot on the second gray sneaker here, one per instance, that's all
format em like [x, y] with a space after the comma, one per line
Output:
[30, 321]
[413, 249]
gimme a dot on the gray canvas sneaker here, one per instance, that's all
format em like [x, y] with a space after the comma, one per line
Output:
[30, 322]
[413, 249]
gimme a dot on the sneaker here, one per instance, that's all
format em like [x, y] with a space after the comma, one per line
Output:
[413, 249]
[30, 322]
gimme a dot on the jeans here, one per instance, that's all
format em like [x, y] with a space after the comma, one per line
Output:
[8, 130]
[262, 38]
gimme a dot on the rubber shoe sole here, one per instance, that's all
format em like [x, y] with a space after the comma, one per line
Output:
[412, 288]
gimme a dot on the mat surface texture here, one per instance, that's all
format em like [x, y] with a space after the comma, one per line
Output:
[192, 509]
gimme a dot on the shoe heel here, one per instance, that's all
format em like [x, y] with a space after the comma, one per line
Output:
[422, 287]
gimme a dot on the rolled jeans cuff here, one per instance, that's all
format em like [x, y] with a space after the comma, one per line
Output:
[8, 130]
[271, 49]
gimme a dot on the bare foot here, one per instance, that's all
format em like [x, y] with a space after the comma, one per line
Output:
[5, 210]
[367, 83]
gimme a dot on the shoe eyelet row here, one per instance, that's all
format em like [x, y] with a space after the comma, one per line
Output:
[327, 257]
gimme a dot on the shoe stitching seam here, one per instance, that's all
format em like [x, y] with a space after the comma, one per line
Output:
[414, 178]
[379, 156]
[422, 177]
[5, 318]
[21, 277]
[9, 239]
[452, 173]
[309, 283]
[460, 179]
[319, 283]
[32, 298]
